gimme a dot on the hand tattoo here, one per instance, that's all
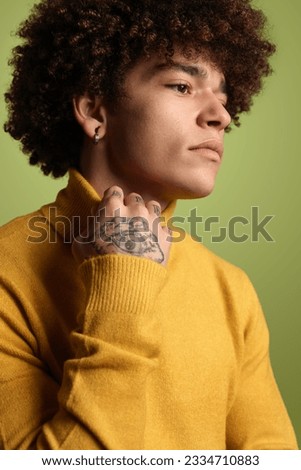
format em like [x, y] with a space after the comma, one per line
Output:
[116, 193]
[129, 235]
[157, 210]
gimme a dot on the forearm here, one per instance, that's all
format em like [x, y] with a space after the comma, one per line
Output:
[101, 400]
[116, 348]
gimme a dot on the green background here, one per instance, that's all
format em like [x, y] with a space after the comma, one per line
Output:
[262, 167]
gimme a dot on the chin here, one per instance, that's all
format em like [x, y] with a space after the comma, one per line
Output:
[198, 190]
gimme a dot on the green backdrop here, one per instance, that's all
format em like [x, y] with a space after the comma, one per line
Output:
[262, 168]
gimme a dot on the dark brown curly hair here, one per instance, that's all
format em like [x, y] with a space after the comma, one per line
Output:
[73, 47]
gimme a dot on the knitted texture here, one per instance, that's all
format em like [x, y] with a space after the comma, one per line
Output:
[123, 353]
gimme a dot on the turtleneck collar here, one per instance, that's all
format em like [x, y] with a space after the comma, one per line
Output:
[68, 215]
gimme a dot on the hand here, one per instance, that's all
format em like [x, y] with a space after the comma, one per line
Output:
[125, 225]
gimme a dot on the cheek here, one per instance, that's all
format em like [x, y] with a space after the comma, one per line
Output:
[146, 134]
[157, 129]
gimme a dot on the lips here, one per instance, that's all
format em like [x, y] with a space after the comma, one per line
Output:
[212, 144]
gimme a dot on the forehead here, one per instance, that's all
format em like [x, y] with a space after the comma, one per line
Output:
[198, 67]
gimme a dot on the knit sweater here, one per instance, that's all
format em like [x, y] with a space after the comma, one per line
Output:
[124, 353]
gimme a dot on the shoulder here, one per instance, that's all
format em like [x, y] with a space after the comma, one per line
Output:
[24, 246]
[201, 257]
[226, 288]
[19, 230]
[220, 278]
[15, 245]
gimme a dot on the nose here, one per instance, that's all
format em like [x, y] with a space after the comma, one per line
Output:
[213, 113]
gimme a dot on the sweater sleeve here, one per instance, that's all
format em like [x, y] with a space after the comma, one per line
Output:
[101, 403]
[258, 418]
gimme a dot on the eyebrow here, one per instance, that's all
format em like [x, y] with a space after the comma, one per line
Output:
[192, 70]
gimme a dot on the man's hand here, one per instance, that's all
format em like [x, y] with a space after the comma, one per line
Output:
[125, 225]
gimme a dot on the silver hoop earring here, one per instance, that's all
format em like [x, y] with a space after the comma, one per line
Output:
[97, 137]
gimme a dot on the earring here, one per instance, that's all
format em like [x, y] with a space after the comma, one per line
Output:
[97, 137]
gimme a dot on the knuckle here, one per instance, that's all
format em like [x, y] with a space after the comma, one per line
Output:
[135, 195]
[155, 203]
[113, 191]
[154, 207]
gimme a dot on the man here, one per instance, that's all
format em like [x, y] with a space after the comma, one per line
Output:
[113, 335]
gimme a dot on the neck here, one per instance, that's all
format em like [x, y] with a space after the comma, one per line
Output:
[97, 171]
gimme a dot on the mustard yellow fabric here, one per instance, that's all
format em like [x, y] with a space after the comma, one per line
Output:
[124, 353]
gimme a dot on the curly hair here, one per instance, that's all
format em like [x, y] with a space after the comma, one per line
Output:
[87, 46]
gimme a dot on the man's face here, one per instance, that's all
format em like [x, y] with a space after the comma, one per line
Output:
[153, 140]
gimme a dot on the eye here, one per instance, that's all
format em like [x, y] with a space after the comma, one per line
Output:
[181, 88]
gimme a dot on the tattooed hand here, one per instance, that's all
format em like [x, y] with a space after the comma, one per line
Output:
[125, 225]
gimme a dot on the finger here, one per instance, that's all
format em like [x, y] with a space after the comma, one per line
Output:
[167, 230]
[154, 208]
[133, 198]
[112, 201]
[113, 192]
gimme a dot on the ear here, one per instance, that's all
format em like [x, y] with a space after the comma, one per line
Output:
[91, 114]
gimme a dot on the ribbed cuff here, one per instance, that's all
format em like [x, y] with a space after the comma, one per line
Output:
[121, 292]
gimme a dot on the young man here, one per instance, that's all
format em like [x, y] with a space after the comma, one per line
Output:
[114, 336]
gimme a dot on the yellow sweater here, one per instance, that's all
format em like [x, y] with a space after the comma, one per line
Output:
[124, 353]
